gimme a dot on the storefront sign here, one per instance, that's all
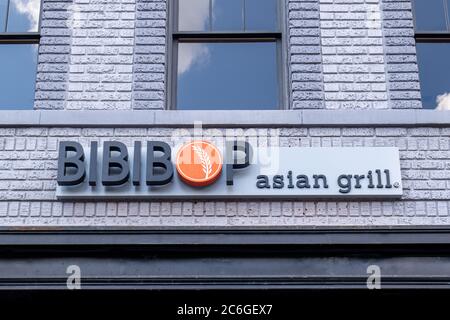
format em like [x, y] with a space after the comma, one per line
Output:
[201, 170]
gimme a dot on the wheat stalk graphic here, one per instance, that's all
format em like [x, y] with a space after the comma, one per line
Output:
[205, 160]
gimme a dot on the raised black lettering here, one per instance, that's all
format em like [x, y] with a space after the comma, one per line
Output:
[262, 182]
[290, 184]
[370, 177]
[93, 164]
[74, 162]
[115, 168]
[137, 164]
[358, 179]
[303, 182]
[318, 177]
[159, 162]
[388, 179]
[379, 184]
[233, 161]
[278, 182]
[345, 183]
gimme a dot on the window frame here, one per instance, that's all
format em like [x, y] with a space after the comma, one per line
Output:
[438, 36]
[21, 37]
[175, 36]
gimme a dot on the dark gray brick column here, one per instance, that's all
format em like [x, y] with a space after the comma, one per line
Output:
[400, 50]
[305, 54]
[150, 55]
[54, 55]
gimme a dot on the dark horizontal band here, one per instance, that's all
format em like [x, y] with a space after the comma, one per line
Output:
[443, 36]
[233, 36]
[30, 37]
[32, 236]
[220, 259]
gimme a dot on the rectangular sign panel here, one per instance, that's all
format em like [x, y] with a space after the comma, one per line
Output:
[234, 173]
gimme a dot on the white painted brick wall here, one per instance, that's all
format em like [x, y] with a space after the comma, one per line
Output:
[150, 55]
[28, 163]
[54, 54]
[101, 54]
[353, 54]
[342, 54]
[305, 55]
[402, 69]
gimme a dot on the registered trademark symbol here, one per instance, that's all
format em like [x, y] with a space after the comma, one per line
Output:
[396, 185]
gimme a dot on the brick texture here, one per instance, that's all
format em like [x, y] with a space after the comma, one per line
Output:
[305, 54]
[28, 163]
[342, 54]
[111, 54]
[150, 55]
[402, 70]
[101, 54]
[353, 54]
[54, 55]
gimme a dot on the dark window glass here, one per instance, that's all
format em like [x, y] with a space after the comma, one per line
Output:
[228, 15]
[18, 75]
[434, 67]
[3, 11]
[193, 15]
[261, 15]
[229, 75]
[430, 15]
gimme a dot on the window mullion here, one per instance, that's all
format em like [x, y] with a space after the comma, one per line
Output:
[228, 35]
[32, 37]
[7, 16]
[243, 45]
[432, 37]
[243, 14]
[447, 18]
[210, 16]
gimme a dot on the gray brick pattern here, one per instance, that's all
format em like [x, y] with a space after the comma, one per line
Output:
[305, 54]
[353, 54]
[150, 55]
[101, 54]
[54, 53]
[28, 170]
[342, 54]
[402, 70]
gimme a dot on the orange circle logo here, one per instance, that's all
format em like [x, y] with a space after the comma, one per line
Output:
[199, 163]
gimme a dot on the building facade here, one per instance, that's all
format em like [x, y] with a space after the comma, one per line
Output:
[348, 73]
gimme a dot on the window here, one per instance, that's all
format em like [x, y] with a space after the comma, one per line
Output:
[226, 55]
[432, 25]
[19, 39]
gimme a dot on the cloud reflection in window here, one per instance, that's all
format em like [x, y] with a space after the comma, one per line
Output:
[24, 16]
[193, 16]
[443, 102]
[434, 76]
[191, 54]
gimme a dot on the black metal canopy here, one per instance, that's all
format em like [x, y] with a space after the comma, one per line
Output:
[224, 259]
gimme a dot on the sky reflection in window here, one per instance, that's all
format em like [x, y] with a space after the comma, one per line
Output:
[430, 15]
[434, 67]
[18, 75]
[228, 75]
[227, 15]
